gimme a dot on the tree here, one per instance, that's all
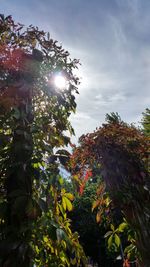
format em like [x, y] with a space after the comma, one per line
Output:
[123, 153]
[146, 122]
[33, 118]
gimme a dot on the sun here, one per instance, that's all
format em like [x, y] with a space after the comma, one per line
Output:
[60, 81]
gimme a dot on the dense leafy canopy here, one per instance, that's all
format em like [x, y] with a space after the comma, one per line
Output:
[122, 152]
[33, 120]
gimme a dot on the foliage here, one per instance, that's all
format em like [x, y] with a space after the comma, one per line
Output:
[84, 222]
[55, 244]
[33, 120]
[103, 204]
[122, 152]
[146, 122]
[113, 118]
[121, 238]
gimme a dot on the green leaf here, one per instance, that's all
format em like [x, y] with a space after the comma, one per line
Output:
[110, 241]
[69, 196]
[117, 240]
[112, 227]
[64, 203]
[122, 227]
[37, 249]
[45, 239]
[68, 204]
[61, 181]
[61, 209]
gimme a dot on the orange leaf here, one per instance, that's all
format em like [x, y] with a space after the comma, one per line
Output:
[98, 217]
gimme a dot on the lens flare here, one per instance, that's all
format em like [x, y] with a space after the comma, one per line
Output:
[60, 82]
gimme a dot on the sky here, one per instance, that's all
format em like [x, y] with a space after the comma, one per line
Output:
[112, 40]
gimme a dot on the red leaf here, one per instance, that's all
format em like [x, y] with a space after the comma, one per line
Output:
[81, 189]
[88, 175]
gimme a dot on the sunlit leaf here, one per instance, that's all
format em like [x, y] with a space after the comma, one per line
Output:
[117, 240]
[122, 227]
[110, 241]
[95, 204]
[112, 227]
[98, 217]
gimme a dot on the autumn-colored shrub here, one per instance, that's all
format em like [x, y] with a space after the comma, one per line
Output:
[122, 151]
